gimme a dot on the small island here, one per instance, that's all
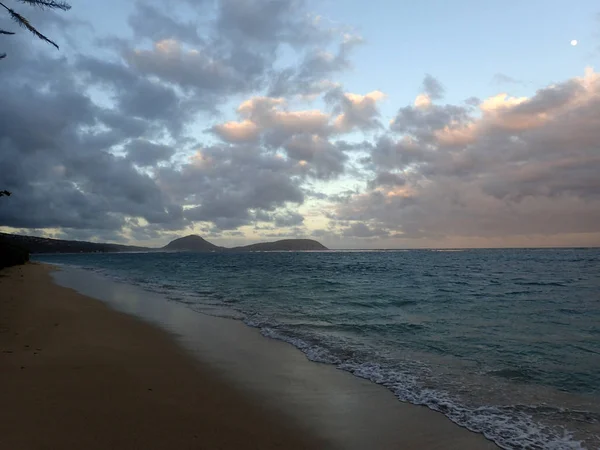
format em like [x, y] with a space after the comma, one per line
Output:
[283, 245]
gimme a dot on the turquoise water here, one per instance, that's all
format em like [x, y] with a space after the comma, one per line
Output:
[503, 342]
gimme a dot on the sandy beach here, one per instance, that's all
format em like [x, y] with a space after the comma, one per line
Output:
[75, 373]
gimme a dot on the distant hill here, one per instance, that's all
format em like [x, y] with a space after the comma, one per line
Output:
[283, 245]
[195, 243]
[35, 244]
[192, 243]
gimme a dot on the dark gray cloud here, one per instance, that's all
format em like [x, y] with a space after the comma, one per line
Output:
[302, 135]
[387, 179]
[361, 230]
[354, 111]
[364, 146]
[234, 48]
[244, 23]
[550, 98]
[313, 74]
[155, 23]
[196, 70]
[423, 122]
[145, 153]
[288, 219]
[72, 150]
[323, 160]
[433, 88]
[390, 153]
[501, 78]
[54, 158]
[227, 185]
[144, 106]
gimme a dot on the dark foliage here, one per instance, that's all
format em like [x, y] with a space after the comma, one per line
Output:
[11, 254]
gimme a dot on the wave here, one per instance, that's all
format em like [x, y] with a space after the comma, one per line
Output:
[540, 283]
[522, 375]
[510, 427]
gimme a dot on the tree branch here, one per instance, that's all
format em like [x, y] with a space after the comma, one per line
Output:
[48, 4]
[23, 22]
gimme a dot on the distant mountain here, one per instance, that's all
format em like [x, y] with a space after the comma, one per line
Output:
[283, 245]
[192, 243]
[35, 244]
[195, 243]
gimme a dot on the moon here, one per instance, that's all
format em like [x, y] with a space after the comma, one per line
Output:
[574, 42]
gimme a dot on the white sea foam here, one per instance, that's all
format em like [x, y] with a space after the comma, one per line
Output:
[509, 427]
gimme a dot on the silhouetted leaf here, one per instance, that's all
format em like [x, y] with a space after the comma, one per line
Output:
[23, 22]
[48, 4]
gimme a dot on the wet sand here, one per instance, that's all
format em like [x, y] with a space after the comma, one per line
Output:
[76, 373]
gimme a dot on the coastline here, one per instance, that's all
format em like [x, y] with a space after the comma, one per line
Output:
[104, 378]
[76, 374]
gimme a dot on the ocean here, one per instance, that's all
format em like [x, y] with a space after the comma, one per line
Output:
[503, 342]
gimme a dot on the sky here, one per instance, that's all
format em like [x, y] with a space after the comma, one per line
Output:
[373, 124]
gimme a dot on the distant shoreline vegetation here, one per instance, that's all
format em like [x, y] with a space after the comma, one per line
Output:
[192, 243]
[12, 254]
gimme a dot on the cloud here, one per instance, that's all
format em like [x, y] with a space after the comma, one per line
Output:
[157, 24]
[361, 230]
[303, 135]
[142, 106]
[193, 69]
[387, 179]
[501, 78]
[104, 140]
[267, 118]
[288, 219]
[288, 22]
[234, 50]
[433, 88]
[355, 111]
[145, 153]
[244, 131]
[424, 119]
[528, 167]
[313, 74]
[317, 157]
[391, 153]
[228, 185]
[97, 144]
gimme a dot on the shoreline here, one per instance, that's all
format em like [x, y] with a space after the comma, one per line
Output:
[287, 401]
[76, 374]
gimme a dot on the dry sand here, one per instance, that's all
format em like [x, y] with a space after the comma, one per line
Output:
[75, 374]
